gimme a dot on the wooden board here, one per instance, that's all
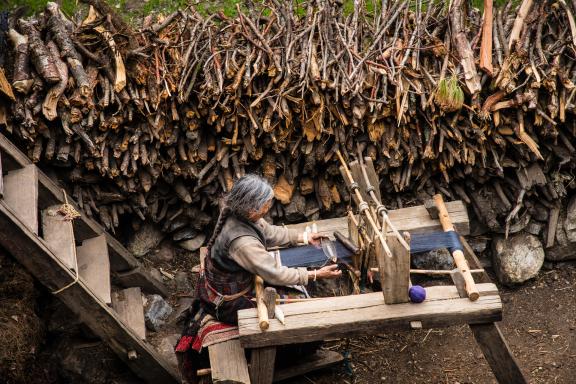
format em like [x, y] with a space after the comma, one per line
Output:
[412, 219]
[59, 235]
[348, 316]
[36, 257]
[84, 227]
[128, 305]
[21, 195]
[394, 271]
[94, 267]
[228, 363]
[321, 359]
[262, 363]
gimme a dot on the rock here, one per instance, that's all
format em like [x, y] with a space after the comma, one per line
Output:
[186, 233]
[534, 228]
[193, 244]
[146, 238]
[478, 243]
[164, 253]
[182, 282]
[166, 348]
[155, 273]
[436, 259]
[156, 312]
[518, 258]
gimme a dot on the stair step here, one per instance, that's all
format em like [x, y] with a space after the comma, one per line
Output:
[21, 195]
[130, 308]
[59, 235]
[94, 266]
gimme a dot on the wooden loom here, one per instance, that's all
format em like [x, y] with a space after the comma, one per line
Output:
[476, 303]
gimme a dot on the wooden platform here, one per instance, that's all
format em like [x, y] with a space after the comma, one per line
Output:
[348, 316]
[412, 219]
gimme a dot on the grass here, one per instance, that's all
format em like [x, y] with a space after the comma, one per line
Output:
[134, 10]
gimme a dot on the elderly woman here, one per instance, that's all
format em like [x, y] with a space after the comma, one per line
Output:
[237, 252]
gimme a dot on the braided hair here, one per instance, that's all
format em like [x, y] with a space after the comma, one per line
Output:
[248, 194]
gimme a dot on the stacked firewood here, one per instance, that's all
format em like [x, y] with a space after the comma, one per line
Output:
[157, 123]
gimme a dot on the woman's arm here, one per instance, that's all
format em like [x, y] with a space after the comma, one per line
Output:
[251, 255]
[277, 236]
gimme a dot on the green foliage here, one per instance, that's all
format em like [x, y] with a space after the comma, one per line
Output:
[449, 96]
[36, 6]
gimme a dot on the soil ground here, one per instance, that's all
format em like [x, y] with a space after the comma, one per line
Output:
[539, 325]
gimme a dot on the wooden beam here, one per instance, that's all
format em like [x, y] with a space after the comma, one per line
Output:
[498, 354]
[38, 259]
[488, 336]
[228, 363]
[348, 316]
[262, 365]
[412, 219]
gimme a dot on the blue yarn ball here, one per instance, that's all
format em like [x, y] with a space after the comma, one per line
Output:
[417, 294]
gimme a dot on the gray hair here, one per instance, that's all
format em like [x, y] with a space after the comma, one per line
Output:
[248, 194]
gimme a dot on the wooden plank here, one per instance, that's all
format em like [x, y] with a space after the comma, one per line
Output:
[366, 300]
[94, 267]
[38, 259]
[411, 219]
[316, 321]
[84, 227]
[228, 363]
[130, 309]
[262, 365]
[321, 359]
[395, 271]
[498, 354]
[21, 195]
[59, 235]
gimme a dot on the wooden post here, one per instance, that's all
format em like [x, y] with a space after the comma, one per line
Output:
[493, 345]
[458, 255]
[395, 270]
[260, 305]
[228, 363]
[486, 45]
[262, 365]
[270, 300]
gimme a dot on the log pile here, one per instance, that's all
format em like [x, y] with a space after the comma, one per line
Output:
[157, 123]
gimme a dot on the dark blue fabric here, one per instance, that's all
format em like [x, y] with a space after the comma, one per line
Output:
[310, 256]
[425, 242]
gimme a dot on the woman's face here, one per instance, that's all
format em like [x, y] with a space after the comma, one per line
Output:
[257, 215]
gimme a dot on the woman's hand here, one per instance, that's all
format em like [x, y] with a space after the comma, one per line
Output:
[327, 272]
[315, 239]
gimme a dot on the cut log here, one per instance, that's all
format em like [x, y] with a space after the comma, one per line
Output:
[41, 57]
[486, 46]
[22, 81]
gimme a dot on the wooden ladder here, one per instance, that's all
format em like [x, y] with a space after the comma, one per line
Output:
[77, 261]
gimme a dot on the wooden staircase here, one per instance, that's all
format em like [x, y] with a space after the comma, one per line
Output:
[77, 261]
